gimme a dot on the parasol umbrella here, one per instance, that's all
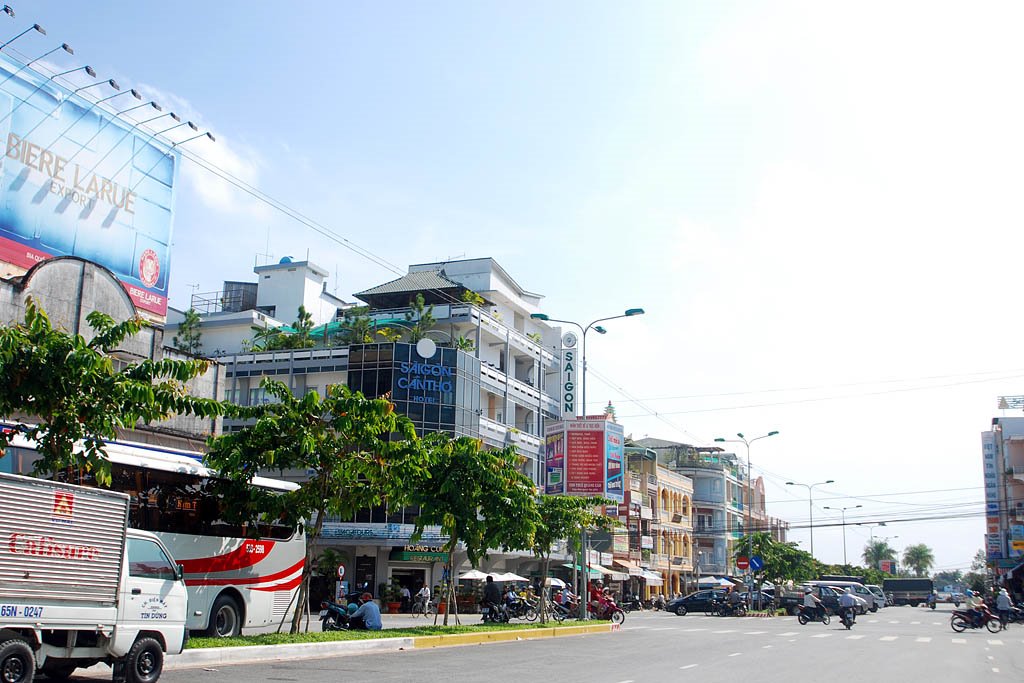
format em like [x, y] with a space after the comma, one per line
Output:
[473, 575]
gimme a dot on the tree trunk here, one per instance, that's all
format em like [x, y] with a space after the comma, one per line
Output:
[307, 571]
[544, 588]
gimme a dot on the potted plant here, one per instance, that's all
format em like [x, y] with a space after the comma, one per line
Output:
[392, 596]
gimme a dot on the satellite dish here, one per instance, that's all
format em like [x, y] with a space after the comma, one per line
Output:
[426, 348]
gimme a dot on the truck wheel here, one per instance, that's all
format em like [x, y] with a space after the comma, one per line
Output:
[145, 661]
[225, 618]
[17, 663]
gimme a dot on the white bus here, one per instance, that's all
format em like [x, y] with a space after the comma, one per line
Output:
[236, 577]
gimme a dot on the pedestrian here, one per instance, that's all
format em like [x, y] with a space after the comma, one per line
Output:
[367, 616]
[1003, 605]
[406, 597]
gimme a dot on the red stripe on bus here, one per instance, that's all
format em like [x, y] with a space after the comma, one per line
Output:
[291, 585]
[245, 555]
[250, 579]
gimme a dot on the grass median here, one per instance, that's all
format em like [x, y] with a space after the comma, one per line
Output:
[332, 636]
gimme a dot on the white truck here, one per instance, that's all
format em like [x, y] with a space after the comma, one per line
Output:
[78, 587]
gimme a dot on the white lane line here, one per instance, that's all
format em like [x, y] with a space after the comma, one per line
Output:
[995, 670]
[936, 623]
[822, 635]
[888, 638]
[894, 622]
[735, 654]
[665, 628]
[688, 666]
[995, 642]
[787, 634]
[628, 680]
[693, 630]
[754, 633]
[854, 637]
[765, 647]
[923, 639]
[728, 630]
[958, 641]
[914, 622]
[872, 621]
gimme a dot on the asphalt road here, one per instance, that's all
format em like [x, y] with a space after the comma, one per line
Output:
[904, 643]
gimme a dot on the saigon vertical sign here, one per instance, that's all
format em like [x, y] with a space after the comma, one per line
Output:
[567, 394]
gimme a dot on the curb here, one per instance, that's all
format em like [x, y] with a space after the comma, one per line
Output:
[423, 642]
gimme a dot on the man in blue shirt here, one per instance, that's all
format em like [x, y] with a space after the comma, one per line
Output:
[367, 616]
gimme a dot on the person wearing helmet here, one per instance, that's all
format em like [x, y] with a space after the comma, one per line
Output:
[812, 605]
[973, 603]
[848, 605]
[598, 600]
[367, 615]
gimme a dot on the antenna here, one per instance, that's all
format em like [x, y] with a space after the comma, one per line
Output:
[266, 253]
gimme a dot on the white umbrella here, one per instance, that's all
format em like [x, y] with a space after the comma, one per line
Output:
[508, 576]
[552, 581]
[473, 575]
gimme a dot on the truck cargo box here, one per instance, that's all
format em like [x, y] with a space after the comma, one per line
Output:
[60, 542]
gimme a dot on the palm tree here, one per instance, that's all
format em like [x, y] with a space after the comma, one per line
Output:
[876, 551]
[918, 557]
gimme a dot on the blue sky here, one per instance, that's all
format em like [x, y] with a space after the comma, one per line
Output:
[816, 203]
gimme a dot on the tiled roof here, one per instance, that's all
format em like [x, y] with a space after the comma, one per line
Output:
[413, 282]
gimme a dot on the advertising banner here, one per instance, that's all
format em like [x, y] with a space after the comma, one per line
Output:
[77, 181]
[993, 543]
[585, 462]
[554, 459]
[614, 442]
[568, 386]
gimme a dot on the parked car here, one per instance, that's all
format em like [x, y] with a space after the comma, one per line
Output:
[697, 601]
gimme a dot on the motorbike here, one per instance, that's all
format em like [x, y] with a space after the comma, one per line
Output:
[333, 617]
[931, 602]
[807, 614]
[494, 614]
[726, 609]
[847, 617]
[609, 611]
[632, 603]
[1016, 615]
[521, 609]
[962, 620]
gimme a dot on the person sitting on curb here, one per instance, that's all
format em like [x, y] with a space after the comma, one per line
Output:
[367, 617]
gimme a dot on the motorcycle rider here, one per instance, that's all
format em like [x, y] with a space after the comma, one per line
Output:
[848, 605]
[812, 605]
[598, 600]
[492, 596]
[367, 616]
[973, 603]
[734, 599]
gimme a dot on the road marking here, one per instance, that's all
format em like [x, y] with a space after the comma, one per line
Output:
[754, 633]
[923, 639]
[735, 654]
[688, 666]
[693, 630]
[765, 647]
[936, 623]
[888, 638]
[664, 628]
[914, 622]
[854, 637]
[728, 630]
[787, 633]
[894, 622]
[628, 680]
[872, 621]
[958, 641]
[995, 642]
[822, 635]
[995, 670]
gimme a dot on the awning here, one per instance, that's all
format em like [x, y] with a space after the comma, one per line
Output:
[652, 579]
[631, 568]
[594, 573]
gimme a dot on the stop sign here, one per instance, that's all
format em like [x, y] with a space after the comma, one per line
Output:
[742, 562]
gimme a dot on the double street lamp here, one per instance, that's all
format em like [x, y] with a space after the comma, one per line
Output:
[593, 325]
[843, 510]
[810, 503]
[750, 497]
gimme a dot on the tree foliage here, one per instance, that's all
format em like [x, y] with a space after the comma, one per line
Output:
[876, 551]
[358, 452]
[918, 557]
[477, 497]
[420, 317]
[189, 337]
[563, 517]
[782, 561]
[67, 395]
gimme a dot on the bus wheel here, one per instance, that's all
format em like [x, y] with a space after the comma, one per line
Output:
[225, 618]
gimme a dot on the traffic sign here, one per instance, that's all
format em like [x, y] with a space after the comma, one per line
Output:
[341, 571]
[742, 562]
[756, 563]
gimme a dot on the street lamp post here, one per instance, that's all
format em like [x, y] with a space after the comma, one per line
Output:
[843, 510]
[810, 503]
[750, 493]
[593, 325]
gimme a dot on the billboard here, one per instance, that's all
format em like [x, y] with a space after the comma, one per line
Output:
[77, 181]
[584, 457]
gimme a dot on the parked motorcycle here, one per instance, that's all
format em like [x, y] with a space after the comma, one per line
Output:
[609, 611]
[494, 614]
[726, 609]
[333, 617]
[632, 603]
[807, 614]
[962, 620]
[522, 609]
[847, 617]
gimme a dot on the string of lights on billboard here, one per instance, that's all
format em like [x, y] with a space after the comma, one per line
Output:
[80, 179]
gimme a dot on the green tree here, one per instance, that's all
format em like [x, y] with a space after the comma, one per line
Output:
[478, 497]
[918, 557]
[357, 328]
[189, 337]
[563, 517]
[948, 577]
[303, 327]
[465, 344]
[977, 578]
[265, 339]
[421, 318]
[471, 297]
[61, 390]
[876, 551]
[358, 452]
[782, 561]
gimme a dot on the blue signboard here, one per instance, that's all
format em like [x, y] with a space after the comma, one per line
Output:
[756, 563]
[78, 181]
[614, 442]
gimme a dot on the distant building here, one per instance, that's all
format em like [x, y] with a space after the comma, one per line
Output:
[1003, 470]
